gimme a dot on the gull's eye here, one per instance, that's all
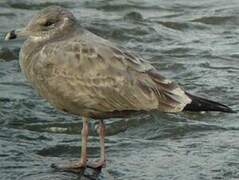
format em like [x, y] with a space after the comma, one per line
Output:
[48, 23]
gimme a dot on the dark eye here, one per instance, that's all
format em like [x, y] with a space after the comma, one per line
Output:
[49, 23]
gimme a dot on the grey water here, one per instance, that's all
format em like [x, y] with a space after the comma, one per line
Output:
[195, 43]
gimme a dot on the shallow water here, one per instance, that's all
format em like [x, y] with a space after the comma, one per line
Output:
[193, 42]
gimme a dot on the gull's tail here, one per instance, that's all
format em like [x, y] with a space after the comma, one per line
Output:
[201, 104]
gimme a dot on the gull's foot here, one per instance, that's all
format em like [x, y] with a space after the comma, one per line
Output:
[75, 167]
[98, 165]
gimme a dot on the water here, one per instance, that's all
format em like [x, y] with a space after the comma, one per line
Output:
[193, 42]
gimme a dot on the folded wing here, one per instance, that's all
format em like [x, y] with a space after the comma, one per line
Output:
[100, 77]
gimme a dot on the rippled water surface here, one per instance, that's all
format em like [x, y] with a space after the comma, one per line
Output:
[195, 43]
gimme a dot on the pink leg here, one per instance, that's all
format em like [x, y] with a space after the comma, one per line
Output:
[102, 162]
[78, 166]
[84, 133]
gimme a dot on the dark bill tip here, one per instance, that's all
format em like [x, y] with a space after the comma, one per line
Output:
[11, 35]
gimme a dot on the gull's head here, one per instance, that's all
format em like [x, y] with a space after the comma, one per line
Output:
[51, 22]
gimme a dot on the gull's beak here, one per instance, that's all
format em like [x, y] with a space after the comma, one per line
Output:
[10, 35]
[15, 34]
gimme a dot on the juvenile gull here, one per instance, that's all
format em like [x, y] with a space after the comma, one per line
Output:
[81, 73]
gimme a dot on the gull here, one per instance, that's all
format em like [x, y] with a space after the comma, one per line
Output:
[81, 73]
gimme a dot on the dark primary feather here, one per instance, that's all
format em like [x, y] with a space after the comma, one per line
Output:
[201, 104]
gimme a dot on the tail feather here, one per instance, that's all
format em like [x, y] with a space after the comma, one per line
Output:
[201, 104]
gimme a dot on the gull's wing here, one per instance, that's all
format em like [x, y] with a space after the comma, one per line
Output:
[98, 76]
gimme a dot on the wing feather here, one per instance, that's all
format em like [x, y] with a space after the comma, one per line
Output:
[98, 76]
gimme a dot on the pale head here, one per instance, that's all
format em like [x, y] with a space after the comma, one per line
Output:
[50, 23]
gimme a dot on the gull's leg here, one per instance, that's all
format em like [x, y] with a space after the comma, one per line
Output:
[78, 166]
[102, 162]
[84, 133]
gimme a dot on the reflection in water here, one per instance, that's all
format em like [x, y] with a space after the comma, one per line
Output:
[194, 43]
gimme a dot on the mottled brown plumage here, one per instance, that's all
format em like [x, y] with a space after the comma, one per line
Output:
[84, 74]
